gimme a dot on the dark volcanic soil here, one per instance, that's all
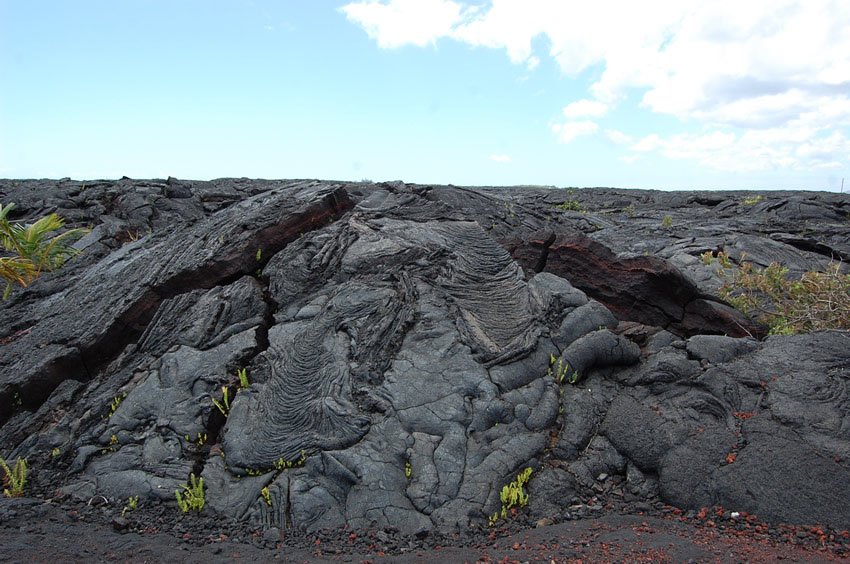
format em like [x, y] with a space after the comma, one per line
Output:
[33, 530]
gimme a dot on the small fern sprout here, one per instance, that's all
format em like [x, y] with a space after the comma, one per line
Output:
[192, 498]
[15, 478]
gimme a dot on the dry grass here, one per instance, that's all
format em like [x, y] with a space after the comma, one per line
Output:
[818, 300]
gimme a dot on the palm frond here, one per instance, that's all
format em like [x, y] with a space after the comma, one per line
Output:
[32, 247]
[56, 251]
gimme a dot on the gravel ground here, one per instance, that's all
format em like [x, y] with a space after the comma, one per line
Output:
[36, 530]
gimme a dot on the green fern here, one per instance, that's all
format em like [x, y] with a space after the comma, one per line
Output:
[223, 405]
[193, 495]
[15, 477]
[243, 378]
[512, 496]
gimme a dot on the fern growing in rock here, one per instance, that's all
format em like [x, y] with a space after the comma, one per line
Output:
[14, 478]
[192, 498]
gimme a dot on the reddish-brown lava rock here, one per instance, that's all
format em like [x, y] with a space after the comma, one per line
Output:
[645, 289]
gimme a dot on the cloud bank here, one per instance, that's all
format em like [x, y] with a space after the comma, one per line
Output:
[755, 85]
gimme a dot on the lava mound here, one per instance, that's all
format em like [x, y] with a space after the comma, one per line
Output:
[326, 354]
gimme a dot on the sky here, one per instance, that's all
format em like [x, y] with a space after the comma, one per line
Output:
[664, 94]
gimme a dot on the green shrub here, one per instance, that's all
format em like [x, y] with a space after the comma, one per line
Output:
[570, 205]
[817, 301]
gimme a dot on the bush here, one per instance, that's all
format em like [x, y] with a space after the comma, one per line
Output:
[570, 205]
[817, 301]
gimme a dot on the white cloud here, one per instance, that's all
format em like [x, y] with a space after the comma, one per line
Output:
[762, 78]
[754, 150]
[585, 108]
[569, 130]
[575, 126]
[402, 22]
[500, 158]
[649, 143]
[618, 137]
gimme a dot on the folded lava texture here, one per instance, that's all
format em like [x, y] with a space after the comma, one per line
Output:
[410, 349]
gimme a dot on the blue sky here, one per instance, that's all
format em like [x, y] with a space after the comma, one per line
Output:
[655, 94]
